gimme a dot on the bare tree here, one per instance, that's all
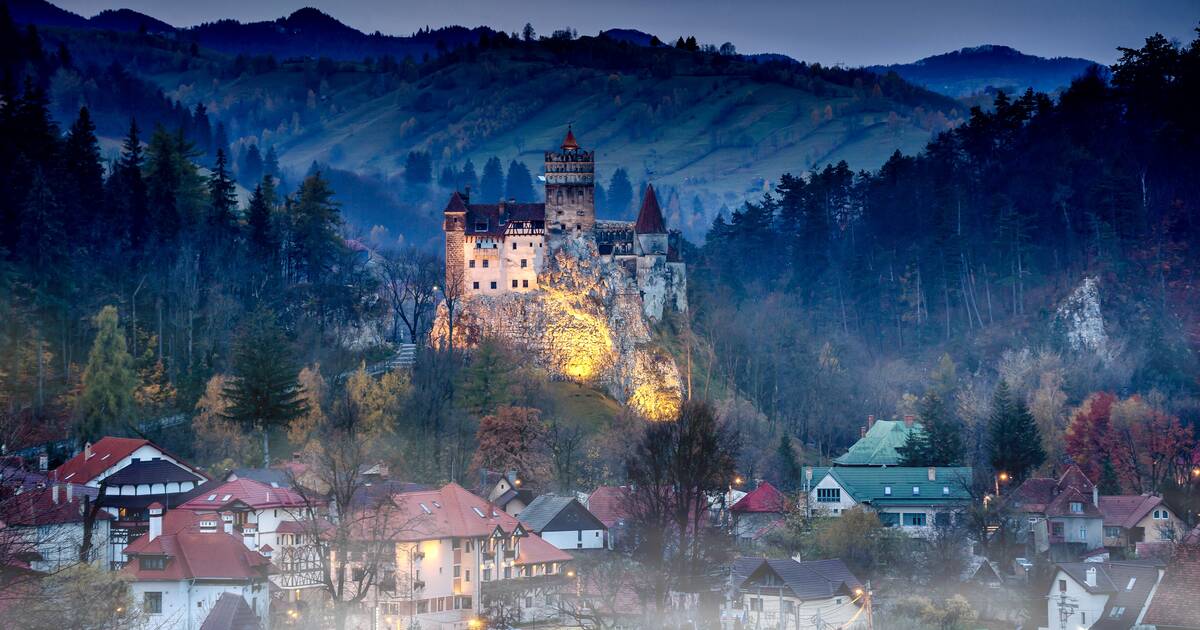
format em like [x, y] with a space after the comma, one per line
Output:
[409, 278]
[599, 592]
[454, 294]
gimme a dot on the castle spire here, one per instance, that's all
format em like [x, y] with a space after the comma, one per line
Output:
[650, 218]
[569, 143]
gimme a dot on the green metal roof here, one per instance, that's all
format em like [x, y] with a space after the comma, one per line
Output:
[878, 446]
[869, 484]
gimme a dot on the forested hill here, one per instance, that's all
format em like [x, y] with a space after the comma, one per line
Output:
[1052, 243]
[710, 128]
[973, 70]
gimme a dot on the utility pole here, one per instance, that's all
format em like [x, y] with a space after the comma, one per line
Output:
[1066, 609]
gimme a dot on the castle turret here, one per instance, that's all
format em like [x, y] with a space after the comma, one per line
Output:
[570, 188]
[454, 225]
[650, 228]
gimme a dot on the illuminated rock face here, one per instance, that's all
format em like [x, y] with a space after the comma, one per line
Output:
[585, 324]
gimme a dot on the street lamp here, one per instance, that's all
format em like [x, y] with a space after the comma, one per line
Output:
[1001, 477]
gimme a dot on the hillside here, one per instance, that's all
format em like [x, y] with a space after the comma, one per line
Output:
[973, 70]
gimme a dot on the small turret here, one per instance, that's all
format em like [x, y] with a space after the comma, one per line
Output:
[650, 228]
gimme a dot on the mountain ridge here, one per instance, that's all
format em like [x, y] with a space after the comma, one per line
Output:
[975, 69]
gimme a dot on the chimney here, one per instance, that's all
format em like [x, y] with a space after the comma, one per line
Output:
[156, 516]
[862, 432]
[909, 419]
[1091, 577]
[932, 472]
[54, 494]
[70, 492]
[87, 451]
[870, 421]
[1095, 496]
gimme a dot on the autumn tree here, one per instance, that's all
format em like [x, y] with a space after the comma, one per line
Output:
[1088, 436]
[109, 381]
[220, 443]
[513, 438]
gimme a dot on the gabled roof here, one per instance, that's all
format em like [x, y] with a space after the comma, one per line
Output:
[105, 454]
[195, 554]
[818, 579]
[607, 503]
[764, 498]
[1127, 584]
[554, 513]
[869, 484]
[37, 507]
[449, 511]
[650, 218]
[231, 612]
[878, 446]
[535, 550]
[1037, 493]
[1061, 505]
[456, 203]
[1175, 603]
[254, 494]
[508, 496]
[151, 472]
[1127, 510]
[276, 476]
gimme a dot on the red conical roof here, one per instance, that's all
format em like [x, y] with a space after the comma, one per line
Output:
[569, 142]
[456, 203]
[650, 219]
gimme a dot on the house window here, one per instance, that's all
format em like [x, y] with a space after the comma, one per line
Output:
[1160, 515]
[829, 495]
[528, 602]
[1112, 532]
[152, 603]
[945, 491]
[481, 226]
[756, 604]
[507, 572]
[1076, 507]
[1056, 529]
[1062, 586]
[1116, 612]
[487, 575]
[493, 284]
[916, 490]
[941, 519]
[914, 519]
[1083, 532]
[457, 570]
[887, 491]
[152, 563]
[471, 263]
[889, 519]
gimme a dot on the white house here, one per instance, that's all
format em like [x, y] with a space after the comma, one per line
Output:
[565, 523]
[47, 525]
[915, 499]
[183, 565]
[789, 594]
[1084, 594]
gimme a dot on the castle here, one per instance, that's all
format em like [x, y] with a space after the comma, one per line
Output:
[498, 248]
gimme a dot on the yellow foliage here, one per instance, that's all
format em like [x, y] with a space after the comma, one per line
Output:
[314, 388]
[218, 439]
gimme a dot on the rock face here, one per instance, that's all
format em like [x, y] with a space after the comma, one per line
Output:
[585, 324]
[1081, 321]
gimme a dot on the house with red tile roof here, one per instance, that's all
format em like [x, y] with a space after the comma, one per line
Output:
[1175, 604]
[457, 553]
[756, 514]
[1130, 520]
[131, 473]
[185, 563]
[1060, 516]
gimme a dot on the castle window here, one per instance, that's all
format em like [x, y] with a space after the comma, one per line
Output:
[475, 285]
[471, 263]
[485, 263]
[523, 261]
[481, 226]
[493, 285]
[514, 284]
[525, 284]
[560, 196]
[514, 244]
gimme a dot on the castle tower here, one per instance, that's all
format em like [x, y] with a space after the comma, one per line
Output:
[454, 225]
[570, 188]
[651, 229]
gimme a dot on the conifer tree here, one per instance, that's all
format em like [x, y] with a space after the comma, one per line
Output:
[271, 163]
[222, 194]
[486, 382]
[84, 177]
[1109, 484]
[519, 183]
[467, 178]
[789, 467]
[264, 391]
[127, 191]
[260, 232]
[252, 165]
[620, 193]
[109, 381]
[315, 221]
[1013, 437]
[491, 183]
[939, 440]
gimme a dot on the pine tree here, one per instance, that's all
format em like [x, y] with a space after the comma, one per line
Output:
[939, 440]
[491, 183]
[1013, 437]
[127, 191]
[84, 178]
[109, 381]
[418, 168]
[260, 230]
[1109, 483]
[620, 194]
[222, 193]
[519, 183]
[264, 391]
[315, 221]
[252, 165]
[486, 382]
[467, 179]
[448, 178]
[789, 467]
[271, 163]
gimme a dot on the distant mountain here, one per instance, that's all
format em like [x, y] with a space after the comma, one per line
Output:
[628, 35]
[305, 33]
[973, 70]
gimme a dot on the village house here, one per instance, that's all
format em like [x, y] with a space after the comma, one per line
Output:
[504, 489]
[185, 563]
[453, 549]
[765, 593]
[607, 504]
[45, 526]
[879, 443]
[565, 523]
[757, 513]
[1100, 595]
[914, 499]
[131, 474]
[1130, 520]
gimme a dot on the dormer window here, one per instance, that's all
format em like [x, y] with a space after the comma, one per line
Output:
[212, 497]
[887, 491]
[945, 491]
[1076, 507]
[481, 226]
[916, 490]
[152, 563]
